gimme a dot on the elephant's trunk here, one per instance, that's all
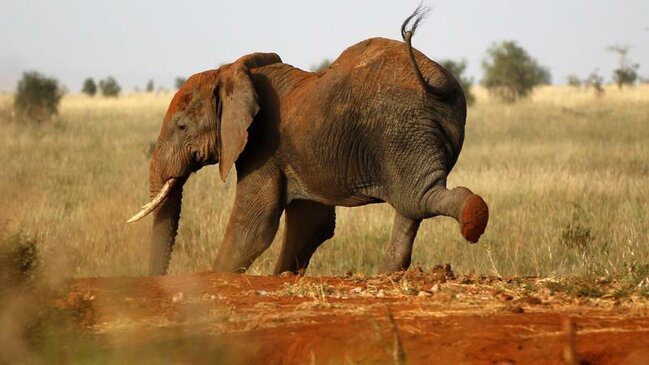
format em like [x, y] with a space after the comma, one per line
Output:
[166, 182]
[165, 225]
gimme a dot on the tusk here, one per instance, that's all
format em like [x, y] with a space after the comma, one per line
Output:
[149, 207]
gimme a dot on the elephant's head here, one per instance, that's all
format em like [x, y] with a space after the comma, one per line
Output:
[206, 123]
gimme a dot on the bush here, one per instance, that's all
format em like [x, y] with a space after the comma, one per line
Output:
[109, 87]
[321, 66]
[179, 81]
[37, 97]
[625, 76]
[511, 73]
[577, 233]
[596, 81]
[19, 259]
[89, 87]
[573, 81]
[150, 87]
[457, 69]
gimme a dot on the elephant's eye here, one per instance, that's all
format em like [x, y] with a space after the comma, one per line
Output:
[182, 126]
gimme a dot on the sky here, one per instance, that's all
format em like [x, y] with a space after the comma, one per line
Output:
[138, 40]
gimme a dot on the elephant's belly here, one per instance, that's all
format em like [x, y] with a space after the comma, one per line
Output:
[329, 193]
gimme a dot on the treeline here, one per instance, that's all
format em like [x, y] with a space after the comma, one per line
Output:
[37, 96]
[110, 88]
[510, 74]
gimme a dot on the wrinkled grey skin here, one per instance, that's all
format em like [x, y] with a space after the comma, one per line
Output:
[367, 130]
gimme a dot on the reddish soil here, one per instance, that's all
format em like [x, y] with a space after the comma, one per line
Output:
[411, 318]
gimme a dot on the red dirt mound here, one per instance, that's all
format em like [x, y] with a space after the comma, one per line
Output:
[412, 317]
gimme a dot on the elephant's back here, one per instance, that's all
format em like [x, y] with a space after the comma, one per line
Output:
[384, 63]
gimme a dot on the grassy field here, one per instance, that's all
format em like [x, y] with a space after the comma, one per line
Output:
[566, 176]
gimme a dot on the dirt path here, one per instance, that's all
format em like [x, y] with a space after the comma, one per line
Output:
[412, 318]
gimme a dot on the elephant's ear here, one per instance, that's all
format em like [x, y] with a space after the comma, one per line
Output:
[259, 59]
[238, 104]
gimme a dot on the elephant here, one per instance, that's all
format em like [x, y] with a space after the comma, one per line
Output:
[382, 124]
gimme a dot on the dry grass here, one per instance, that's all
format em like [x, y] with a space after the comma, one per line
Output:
[562, 166]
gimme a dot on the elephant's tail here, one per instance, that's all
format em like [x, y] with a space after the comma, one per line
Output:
[418, 15]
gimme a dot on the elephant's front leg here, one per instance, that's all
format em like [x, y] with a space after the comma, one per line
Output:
[253, 223]
[399, 251]
[308, 224]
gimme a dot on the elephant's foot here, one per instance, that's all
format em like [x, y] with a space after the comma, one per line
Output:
[390, 266]
[474, 218]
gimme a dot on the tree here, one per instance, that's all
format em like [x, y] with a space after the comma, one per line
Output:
[150, 87]
[89, 87]
[625, 76]
[109, 87]
[626, 73]
[596, 81]
[573, 80]
[457, 69]
[37, 97]
[321, 66]
[511, 73]
[179, 81]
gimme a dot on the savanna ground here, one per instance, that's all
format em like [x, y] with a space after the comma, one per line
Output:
[565, 174]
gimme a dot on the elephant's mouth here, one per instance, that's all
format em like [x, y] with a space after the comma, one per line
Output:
[203, 160]
[210, 161]
[156, 201]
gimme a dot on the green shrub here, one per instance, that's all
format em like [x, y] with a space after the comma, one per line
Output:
[321, 66]
[179, 81]
[89, 87]
[638, 273]
[19, 259]
[37, 97]
[577, 233]
[457, 69]
[150, 86]
[109, 87]
[510, 73]
[573, 80]
[596, 81]
[627, 75]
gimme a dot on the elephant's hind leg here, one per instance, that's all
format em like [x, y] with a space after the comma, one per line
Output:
[253, 222]
[398, 254]
[308, 224]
